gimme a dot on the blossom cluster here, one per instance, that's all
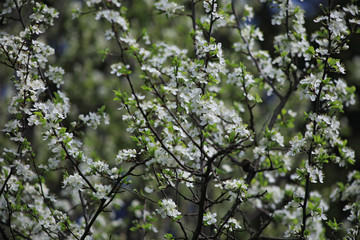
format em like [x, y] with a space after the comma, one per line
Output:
[220, 144]
[168, 208]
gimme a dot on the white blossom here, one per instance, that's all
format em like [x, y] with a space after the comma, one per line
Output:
[170, 8]
[236, 187]
[125, 155]
[168, 208]
[113, 17]
[209, 218]
[102, 191]
[75, 182]
[232, 224]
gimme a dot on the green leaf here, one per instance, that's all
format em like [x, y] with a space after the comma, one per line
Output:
[62, 130]
[310, 50]
[168, 236]
[310, 205]
[232, 137]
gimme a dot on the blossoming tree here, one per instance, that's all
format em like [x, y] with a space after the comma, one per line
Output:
[222, 149]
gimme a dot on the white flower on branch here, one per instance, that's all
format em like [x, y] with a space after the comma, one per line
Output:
[168, 208]
[125, 155]
[101, 191]
[232, 224]
[235, 187]
[113, 17]
[74, 182]
[209, 218]
[170, 8]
